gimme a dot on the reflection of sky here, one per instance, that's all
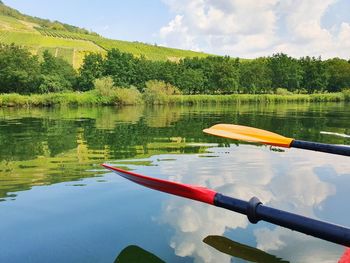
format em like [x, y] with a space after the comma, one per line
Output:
[88, 223]
[291, 181]
[94, 221]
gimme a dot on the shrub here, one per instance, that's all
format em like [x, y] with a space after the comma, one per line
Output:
[282, 91]
[54, 83]
[104, 86]
[158, 92]
[301, 91]
[346, 93]
[14, 99]
[128, 96]
[115, 95]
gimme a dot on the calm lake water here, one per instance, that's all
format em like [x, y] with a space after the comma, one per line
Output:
[58, 205]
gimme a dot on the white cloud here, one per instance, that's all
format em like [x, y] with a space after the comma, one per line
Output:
[344, 34]
[177, 33]
[287, 181]
[296, 247]
[250, 28]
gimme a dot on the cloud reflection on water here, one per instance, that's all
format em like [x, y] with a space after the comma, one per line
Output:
[288, 181]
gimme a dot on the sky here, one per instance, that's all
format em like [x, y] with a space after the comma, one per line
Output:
[239, 28]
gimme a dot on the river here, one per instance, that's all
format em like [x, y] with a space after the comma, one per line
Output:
[57, 204]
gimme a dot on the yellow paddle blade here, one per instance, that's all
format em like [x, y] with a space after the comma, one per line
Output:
[249, 134]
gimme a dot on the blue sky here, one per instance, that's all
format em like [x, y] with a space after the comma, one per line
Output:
[132, 20]
[245, 28]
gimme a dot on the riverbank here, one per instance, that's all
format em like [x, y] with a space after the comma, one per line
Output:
[91, 98]
[258, 98]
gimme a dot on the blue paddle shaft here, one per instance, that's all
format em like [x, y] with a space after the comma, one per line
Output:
[256, 212]
[321, 147]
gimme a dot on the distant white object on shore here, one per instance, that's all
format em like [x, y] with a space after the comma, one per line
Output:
[336, 134]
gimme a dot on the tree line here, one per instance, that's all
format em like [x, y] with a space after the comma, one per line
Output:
[24, 73]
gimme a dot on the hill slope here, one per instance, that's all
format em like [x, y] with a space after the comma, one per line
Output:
[70, 42]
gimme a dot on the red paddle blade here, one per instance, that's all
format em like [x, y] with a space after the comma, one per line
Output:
[346, 257]
[198, 193]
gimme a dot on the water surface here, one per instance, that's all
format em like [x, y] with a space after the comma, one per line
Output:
[58, 205]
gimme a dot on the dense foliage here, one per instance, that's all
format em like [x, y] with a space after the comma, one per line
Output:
[220, 75]
[21, 72]
[24, 73]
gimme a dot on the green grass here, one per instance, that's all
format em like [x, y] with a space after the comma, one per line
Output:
[36, 40]
[65, 53]
[52, 99]
[250, 98]
[12, 24]
[93, 98]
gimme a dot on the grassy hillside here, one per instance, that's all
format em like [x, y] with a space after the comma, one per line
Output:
[71, 50]
[70, 42]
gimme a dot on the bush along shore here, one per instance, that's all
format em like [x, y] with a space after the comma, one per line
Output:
[156, 93]
[122, 79]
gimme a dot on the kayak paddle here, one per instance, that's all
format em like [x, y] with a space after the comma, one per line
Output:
[249, 134]
[254, 209]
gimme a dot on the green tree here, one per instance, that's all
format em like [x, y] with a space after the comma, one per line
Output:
[339, 74]
[255, 76]
[168, 72]
[315, 77]
[191, 81]
[19, 70]
[145, 70]
[286, 72]
[53, 83]
[219, 74]
[121, 67]
[224, 77]
[91, 69]
[57, 74]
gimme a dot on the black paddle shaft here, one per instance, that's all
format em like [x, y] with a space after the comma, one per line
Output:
[255, 212]
[321, 147]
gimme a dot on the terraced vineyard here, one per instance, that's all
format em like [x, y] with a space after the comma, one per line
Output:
[27, 31]
[3, 36]
[151, 52]
[65, 53]
[72, 50]
[61, 34]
